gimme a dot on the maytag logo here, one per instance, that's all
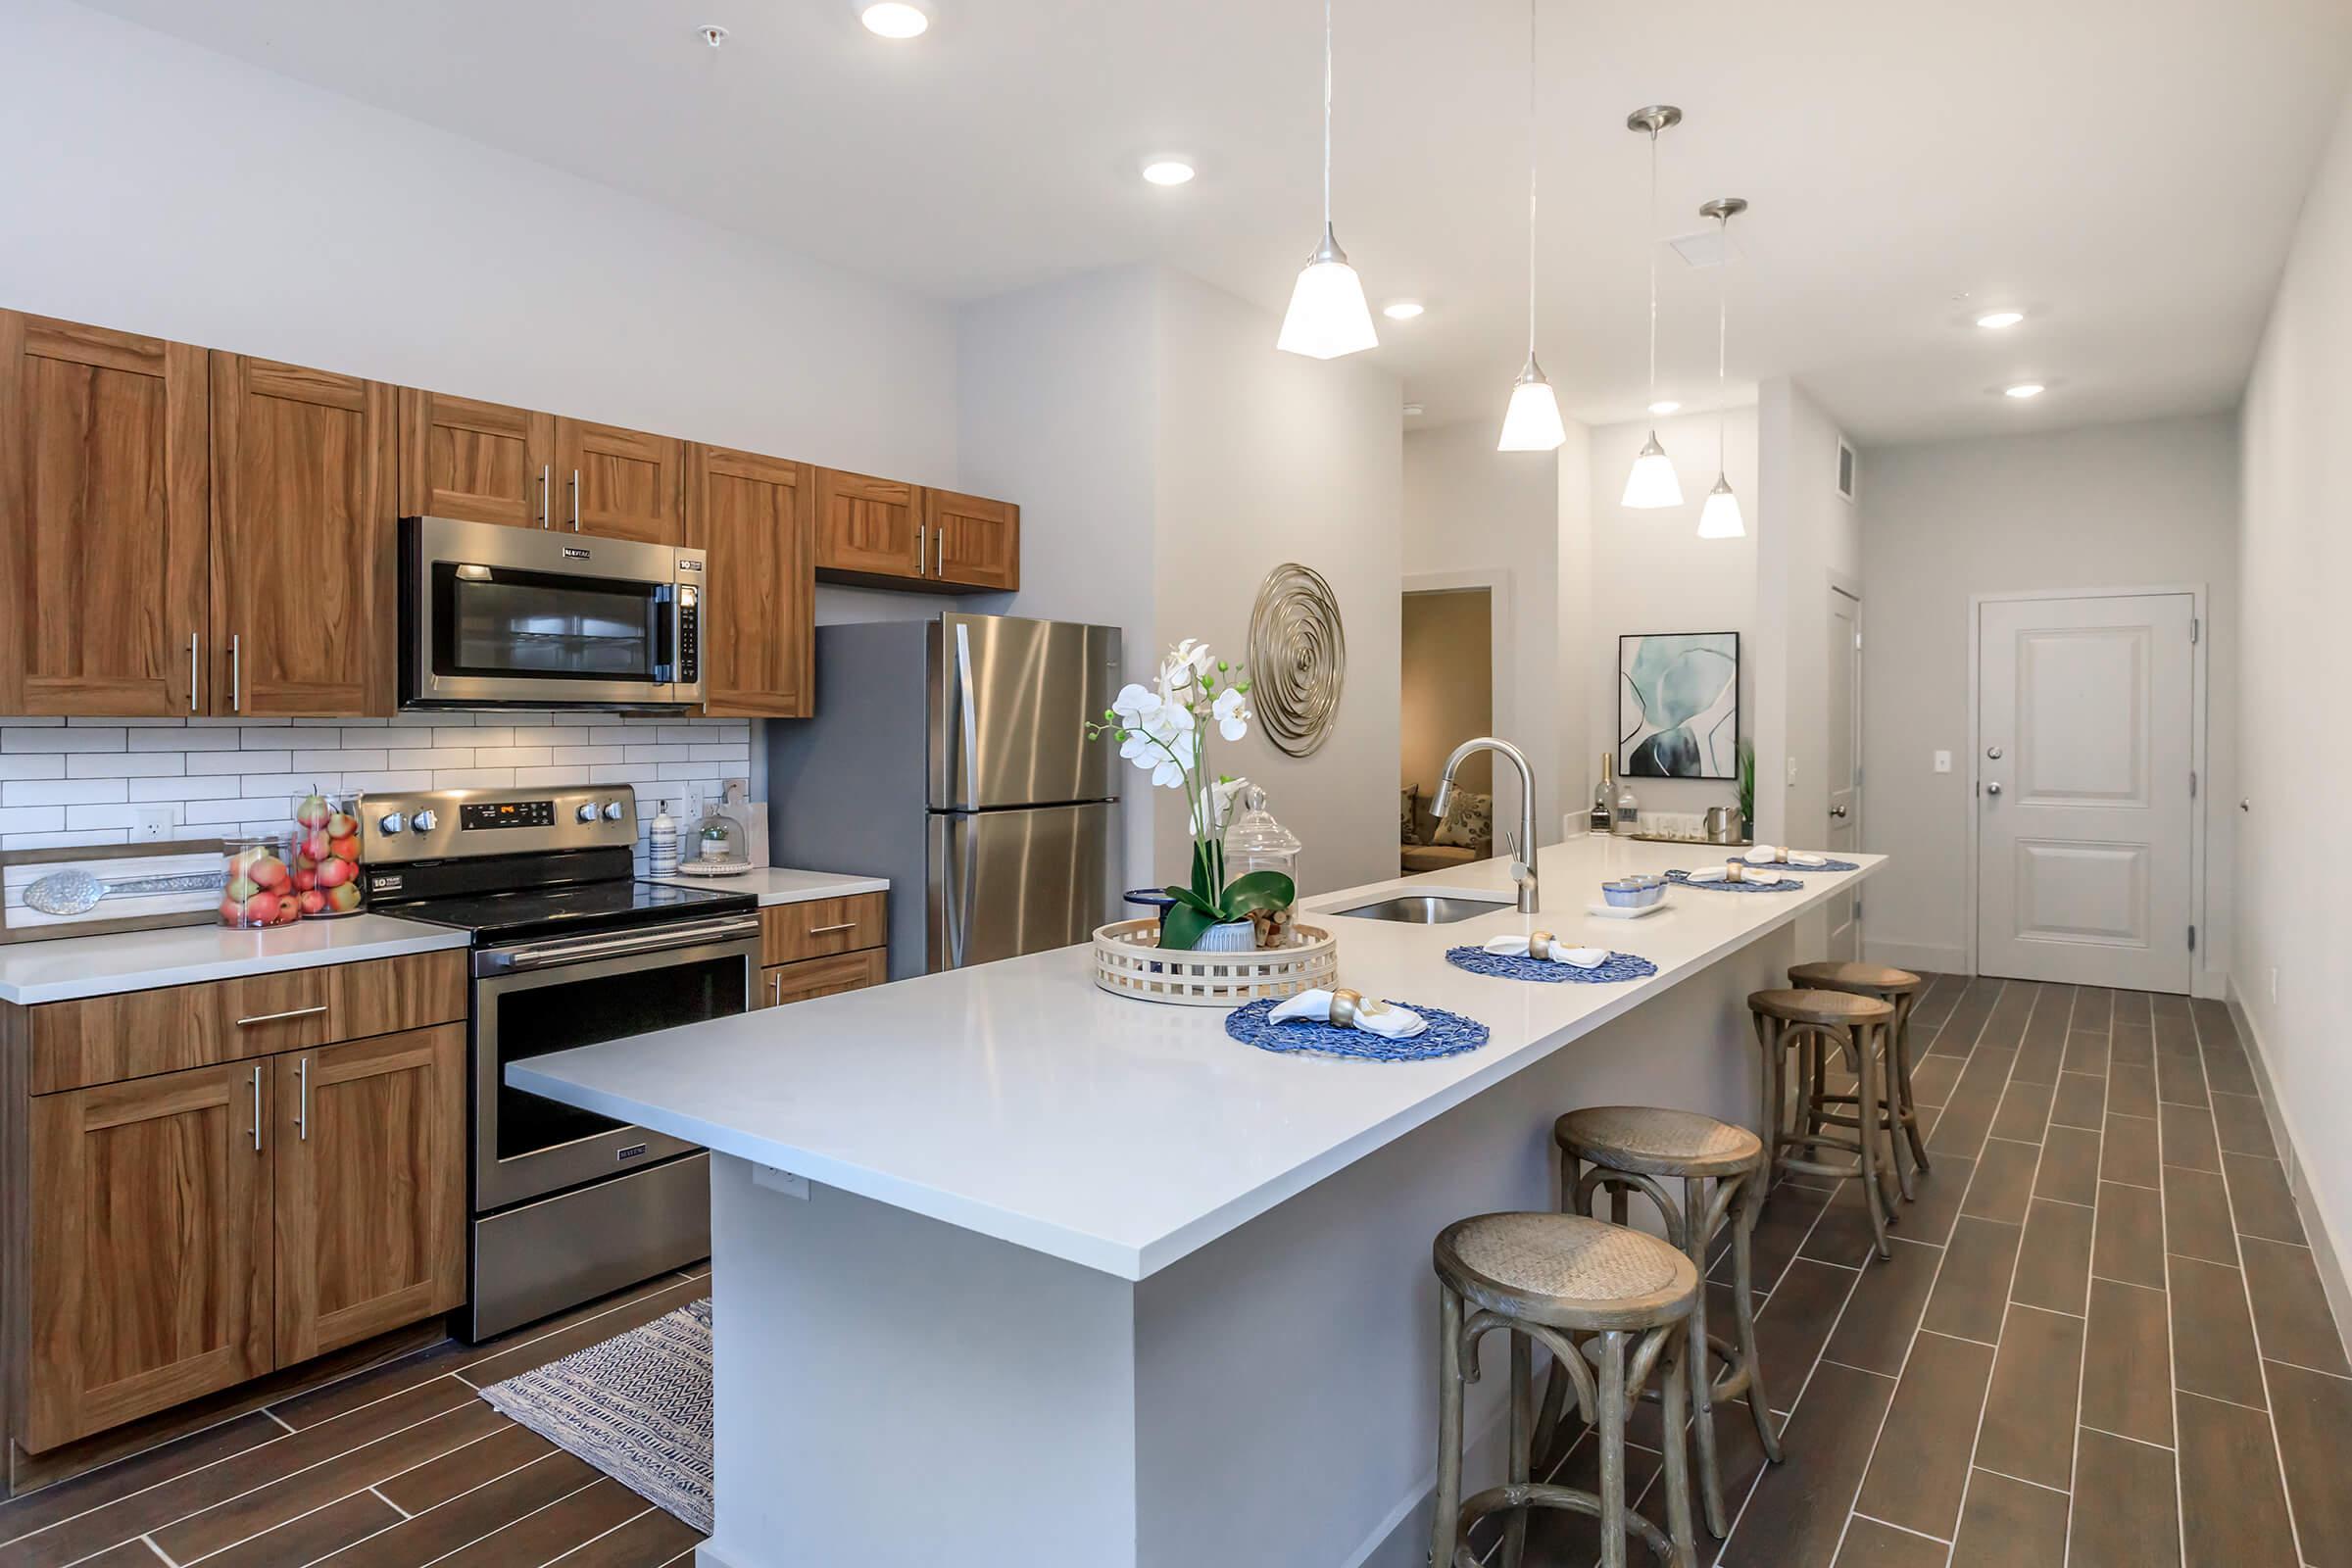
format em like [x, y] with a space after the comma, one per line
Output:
[633, 1152]
[574, 553]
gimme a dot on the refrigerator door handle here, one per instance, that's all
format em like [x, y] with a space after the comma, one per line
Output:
[970, 899]
[971, 730]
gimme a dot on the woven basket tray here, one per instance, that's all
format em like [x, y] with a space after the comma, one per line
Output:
[1130, 962]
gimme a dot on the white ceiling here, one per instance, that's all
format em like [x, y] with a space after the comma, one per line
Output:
[2127, 170]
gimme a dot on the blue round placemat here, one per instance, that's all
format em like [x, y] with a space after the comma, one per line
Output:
[1448, 1034]
[1827, 865]
[1786, 885]
[1617, 966]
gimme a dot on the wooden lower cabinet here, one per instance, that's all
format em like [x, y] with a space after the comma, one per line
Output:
[780, 983]
[147, 1268]
[820, 928]
[370, 1188]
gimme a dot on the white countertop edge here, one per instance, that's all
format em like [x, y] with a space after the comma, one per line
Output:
[412, 937]
[772, 885]
[1089, 1250]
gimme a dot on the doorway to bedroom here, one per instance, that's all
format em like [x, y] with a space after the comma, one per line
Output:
[1448, 697]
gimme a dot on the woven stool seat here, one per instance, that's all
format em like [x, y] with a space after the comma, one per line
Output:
[1566, 1271]
[1831, 1009]
[1866, 979]
[1657, 1142]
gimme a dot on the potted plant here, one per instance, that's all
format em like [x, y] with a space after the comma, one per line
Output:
[1163, 730]
[1748, 791]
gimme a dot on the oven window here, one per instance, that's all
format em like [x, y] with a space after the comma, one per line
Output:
[581, 1012]
[492, 621]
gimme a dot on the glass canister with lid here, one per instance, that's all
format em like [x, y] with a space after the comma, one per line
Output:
[326, 868]
[257, 886]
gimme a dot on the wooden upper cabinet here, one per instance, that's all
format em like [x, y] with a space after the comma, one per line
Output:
[301, 541]
[102, 520]
[147, 1258]
[754, 516]
[479, 462]
[976, 542]
[370, 1188]
[869, 528]
[620, 485]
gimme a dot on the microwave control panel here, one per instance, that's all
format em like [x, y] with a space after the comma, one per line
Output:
[690, 636]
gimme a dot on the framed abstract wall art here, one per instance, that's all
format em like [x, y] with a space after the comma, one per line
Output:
[1678, 704]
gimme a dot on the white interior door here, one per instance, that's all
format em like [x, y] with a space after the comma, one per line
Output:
[2083, 791]
[1843, 832]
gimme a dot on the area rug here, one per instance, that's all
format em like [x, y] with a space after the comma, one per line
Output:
[636, 1406]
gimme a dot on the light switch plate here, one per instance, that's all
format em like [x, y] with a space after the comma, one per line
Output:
[780, 1181]
[1943, 761]
[1792, 771]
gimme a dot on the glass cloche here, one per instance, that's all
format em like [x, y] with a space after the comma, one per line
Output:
[1255, 842]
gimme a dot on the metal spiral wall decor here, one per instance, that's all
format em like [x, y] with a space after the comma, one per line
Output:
[1297, 658]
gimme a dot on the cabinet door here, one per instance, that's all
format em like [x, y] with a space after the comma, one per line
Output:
[301, 541]
[868, 527]
[102, 520]
[619, 484]
[821, 977]
[148, 1250]
[752, 513]
[976, 542]
[370, 1188]
[479, 462]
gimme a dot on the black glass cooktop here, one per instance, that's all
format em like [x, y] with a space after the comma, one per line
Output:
[580, 907]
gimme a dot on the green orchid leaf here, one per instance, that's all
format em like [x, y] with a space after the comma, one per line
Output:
[1183, 926]
[1259, 890]
[1188, 898]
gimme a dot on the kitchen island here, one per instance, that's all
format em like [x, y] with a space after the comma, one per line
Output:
[1010, 1271]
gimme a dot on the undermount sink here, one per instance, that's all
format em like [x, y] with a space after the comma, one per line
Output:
[1426, 909]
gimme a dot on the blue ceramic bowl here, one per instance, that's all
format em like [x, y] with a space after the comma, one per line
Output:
[1633, 891]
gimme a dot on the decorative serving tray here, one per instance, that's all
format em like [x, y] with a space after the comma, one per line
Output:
[1129, 962]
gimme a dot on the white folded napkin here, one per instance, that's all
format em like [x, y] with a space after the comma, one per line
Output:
[1389, 1023]
[1716, 873]
[1574, 958]
[1774, 854]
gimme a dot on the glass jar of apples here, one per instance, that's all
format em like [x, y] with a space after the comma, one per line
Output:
[326, 868]
[257, 885]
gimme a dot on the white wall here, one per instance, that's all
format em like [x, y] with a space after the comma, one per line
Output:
[2295, 926]
[1470, 509]
[2143, 505]
[1807, 537]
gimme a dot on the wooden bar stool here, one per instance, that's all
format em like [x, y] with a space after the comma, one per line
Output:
[1637, 1148]
[1809, 1023]
[1899, 988]
[1550, 1277]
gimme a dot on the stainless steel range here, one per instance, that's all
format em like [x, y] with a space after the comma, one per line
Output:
[569, 949]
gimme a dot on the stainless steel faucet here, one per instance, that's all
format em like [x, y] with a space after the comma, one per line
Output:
[1523, 848]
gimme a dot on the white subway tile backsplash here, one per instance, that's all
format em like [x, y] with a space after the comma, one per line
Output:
[65, 841]
[417, 778]
[20, 737]
[337, 761]
[130, 764]
[623, 773]
[180, 738]
[32, 819]
[62, 792]
[79, 817]
[578, 756]
[474, 778]
[240, 761]
[43, 765]
[51, 721]
[400, 738]
[512, 756]
[484, 735]
[215, 787]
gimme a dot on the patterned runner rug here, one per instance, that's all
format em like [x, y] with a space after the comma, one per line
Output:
[636, 1406]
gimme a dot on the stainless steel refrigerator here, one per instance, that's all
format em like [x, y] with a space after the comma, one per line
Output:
[950, 757]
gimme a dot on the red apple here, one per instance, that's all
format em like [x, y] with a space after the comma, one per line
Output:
[313, 844]
[232, 912]
[288, 911]
[312, 900]
[245, 861]
[305, 878]
[346, 847]
[344, 899]
[262, 908]
[342, 825]
[313, 812]
[269, 872]
[333, 873]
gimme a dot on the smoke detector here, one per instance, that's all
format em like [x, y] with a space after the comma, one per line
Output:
[711, 34]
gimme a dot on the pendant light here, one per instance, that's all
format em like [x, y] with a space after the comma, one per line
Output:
[1720, 517]
[1328, 315]
[1651, 484]
[1532, 422]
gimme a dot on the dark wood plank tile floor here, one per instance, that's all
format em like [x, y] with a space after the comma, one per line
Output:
[2102, 1342]
[398, 1466]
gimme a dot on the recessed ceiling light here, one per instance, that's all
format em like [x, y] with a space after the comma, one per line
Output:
[894, 18]
[1665, 406]
[1996, 319]
[2022, 390]
[1168, 171]
[1401, 310]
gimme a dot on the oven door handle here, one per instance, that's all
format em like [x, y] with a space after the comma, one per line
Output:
[581, 949]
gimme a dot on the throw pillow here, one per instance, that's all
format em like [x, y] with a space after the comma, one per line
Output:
[1408, 798]
[1469, 822]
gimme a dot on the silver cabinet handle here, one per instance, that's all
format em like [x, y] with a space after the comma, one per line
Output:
[302, 1100]
[1992, 789]
[576, 500]
[939, 562]
[923, 549]
[829, 930]
[547, 482]
[775, 989]
[195, 639]
[257, 1108]
[236, 674]
[274, 1017]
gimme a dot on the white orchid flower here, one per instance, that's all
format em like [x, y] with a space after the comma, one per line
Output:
[1189, 664]
[1223, 790]
[1231, 714]
[1135, 704]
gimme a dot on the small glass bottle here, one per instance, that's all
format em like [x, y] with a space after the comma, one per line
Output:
[1604, 795]
[1629, 813]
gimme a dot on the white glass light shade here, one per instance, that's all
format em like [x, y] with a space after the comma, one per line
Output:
[1328, 316]
[1720, 517]
[1653, 483]
[1532, 422]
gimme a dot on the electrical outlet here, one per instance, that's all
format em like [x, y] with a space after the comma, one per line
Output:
[153, 824]
[1943, 761]
[690, 803]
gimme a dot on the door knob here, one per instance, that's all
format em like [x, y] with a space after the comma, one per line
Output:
[1838, 810]
[1993, 752]
[1992, 789]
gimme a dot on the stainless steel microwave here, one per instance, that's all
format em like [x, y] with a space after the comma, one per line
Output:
[494, 617]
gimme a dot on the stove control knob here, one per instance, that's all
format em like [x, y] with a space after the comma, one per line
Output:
[424, 821]
[587, 811]
[391, 822]
[612, 811]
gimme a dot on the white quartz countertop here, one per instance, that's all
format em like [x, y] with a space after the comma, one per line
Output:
[68, 967]
[1018, 1101]
[777, 884]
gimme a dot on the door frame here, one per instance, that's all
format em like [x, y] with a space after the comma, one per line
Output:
[2203, 980]
[1852, 588]
[1503, 674]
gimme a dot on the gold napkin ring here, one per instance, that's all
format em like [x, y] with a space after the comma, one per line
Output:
[1733, 871]
[1539, 944]
[1345, 1006]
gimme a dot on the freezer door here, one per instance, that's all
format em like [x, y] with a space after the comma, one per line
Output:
[1009, 702]
[1005, 883]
